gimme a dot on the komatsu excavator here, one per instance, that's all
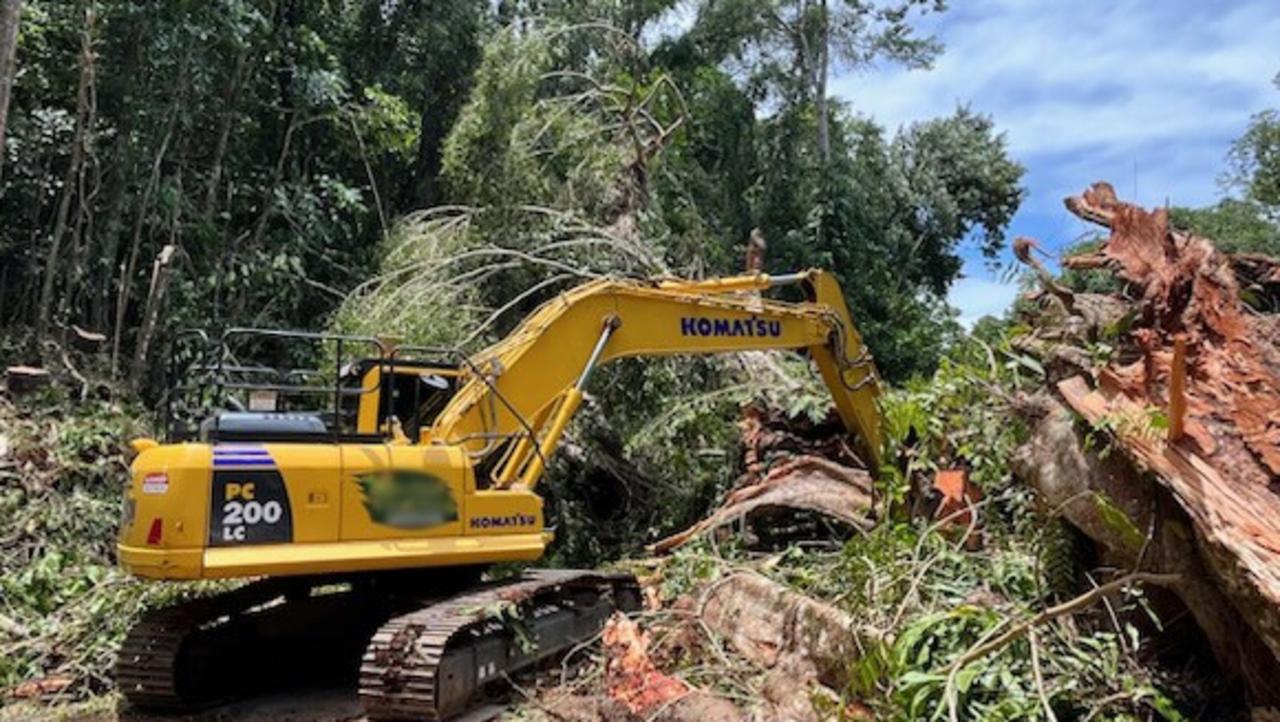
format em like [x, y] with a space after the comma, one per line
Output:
[368, 524]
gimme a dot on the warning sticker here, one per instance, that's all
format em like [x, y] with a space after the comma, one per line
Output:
[155, 484]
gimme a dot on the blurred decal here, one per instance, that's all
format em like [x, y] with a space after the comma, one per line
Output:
[407, 499]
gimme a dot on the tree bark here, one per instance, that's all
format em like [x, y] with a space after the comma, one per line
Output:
[821, 68]
[232, 99]
[1093, 491]
[151, 316]
[83, 228]
[277, 176]
[69, 184]
[130, 265]
[122, 168]
[10, 17]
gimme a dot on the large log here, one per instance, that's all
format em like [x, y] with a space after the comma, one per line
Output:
[1091, 489]
[1203, 490]
[773, 626]
[25, 379]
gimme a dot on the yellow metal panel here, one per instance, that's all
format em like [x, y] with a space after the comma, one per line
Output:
[349, 556]
[311, 473]
[401, 491]
[157, 563]
[169, 483]
[370, 397]
[533, 366]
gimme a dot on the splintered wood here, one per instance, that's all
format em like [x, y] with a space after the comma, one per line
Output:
[1188, 287]
[1195, 353]
[632, 677]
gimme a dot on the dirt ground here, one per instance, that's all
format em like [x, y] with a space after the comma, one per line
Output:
[307, 705]
[303, 705]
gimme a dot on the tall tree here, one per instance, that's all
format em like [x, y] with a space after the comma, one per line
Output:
[71, 189]
[10, 16]
[792, 47]
[1255, 162]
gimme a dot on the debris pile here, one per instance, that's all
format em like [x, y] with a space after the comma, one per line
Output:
[801, 481]
[798, 476]
[1189, 391]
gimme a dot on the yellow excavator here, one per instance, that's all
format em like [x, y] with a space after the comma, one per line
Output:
[368, 518]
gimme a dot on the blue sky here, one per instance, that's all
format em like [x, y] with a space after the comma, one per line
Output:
[1147, 94]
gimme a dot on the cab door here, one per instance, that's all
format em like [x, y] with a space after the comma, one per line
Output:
[401, 491]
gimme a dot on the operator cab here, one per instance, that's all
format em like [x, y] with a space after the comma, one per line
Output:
[214, 396]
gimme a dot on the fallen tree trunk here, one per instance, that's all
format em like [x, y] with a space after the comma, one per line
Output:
[773, 626]
[807, 484]
[1190, 399]
[1140, 525]
[801, 480]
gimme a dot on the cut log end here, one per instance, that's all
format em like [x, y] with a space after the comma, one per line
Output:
[21, 380]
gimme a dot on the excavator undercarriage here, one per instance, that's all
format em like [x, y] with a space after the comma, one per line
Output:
[422, 656]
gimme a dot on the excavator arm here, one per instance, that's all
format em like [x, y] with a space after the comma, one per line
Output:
[525, 388]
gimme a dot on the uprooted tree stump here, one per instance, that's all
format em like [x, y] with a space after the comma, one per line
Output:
[1200, 496]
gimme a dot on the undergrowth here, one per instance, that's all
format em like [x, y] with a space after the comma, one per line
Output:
[64, 604]
[921, 601]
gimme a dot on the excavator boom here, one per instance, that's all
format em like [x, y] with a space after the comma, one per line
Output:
[520, 386]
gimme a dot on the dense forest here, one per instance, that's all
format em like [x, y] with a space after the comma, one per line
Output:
[237, 163]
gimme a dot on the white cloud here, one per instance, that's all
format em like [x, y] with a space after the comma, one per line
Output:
[1145, 94]
[1107, 80]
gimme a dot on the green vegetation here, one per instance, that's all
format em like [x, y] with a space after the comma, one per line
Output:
[64, 605]
[910, 584]
[435, 170]
[269, 144]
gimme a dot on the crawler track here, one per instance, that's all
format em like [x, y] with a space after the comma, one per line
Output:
[164, 660]
[425, 656]
[431, 663]
[208, 651]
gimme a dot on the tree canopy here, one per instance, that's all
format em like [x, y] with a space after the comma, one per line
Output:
[1247, 220]
[244, 162]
